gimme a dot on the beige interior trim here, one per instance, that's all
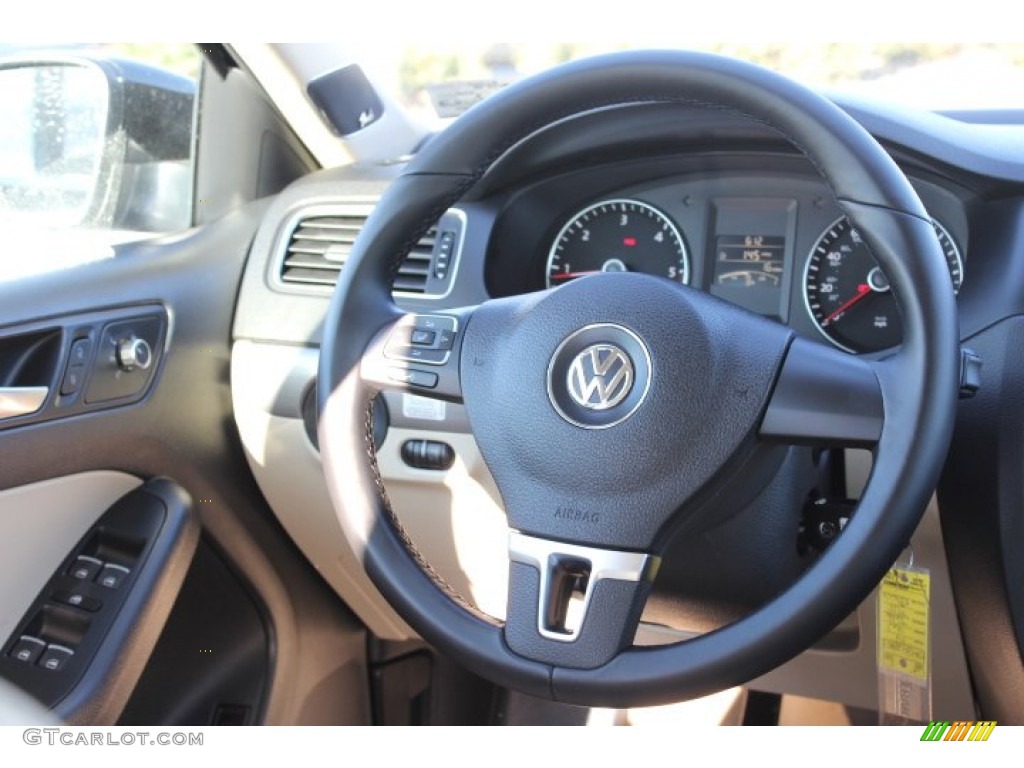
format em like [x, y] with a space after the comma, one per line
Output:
[288, 471]
[456, 520]
[41, 523]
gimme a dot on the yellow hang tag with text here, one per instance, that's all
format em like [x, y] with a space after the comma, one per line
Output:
[903, 623]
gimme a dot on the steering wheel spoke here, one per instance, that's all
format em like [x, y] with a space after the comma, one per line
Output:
[824, 397]
[418, 353]
[573, 606]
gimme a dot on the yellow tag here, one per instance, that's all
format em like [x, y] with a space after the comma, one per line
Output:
[903, 622]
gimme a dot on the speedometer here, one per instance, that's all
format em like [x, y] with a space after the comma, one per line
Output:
[848, 296]
[618, 236]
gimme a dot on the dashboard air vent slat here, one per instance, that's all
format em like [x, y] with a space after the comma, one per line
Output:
[316, 249]
[415, 270]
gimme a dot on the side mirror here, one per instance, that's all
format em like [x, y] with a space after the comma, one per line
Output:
[93, 142]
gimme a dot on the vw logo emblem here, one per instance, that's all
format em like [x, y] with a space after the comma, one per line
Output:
[600, 377]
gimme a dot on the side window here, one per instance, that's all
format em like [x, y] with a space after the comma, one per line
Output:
[96, 148]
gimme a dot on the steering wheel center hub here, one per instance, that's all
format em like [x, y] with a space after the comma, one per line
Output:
[599, 375]
[619, 390]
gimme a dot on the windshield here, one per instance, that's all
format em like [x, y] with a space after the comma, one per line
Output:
[437, 81]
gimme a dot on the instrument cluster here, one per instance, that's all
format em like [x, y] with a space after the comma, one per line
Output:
[776, 244]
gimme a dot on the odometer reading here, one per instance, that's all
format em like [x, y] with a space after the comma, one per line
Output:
[749, 270]
[848, 295]
[618, 236]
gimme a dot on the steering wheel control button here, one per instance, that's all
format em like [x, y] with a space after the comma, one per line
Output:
[599, 375]
[77, 600]
[27, 649]
[431, 356]
[412, 377]
[85, 568]
[112, 576]
[428, 454]
[445, 339]
[55, 658]
[134, 353]
[422, 339]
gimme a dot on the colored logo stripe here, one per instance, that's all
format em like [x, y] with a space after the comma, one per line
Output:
[982, 730]
[961, 730]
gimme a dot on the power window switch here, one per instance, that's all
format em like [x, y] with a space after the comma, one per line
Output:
[85, 568]
[27, 649]
[77, 600]
[55, 658]
[112, 576]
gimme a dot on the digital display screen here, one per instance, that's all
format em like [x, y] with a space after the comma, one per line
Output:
[749, 270]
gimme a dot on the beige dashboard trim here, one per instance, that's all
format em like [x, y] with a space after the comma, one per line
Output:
[287, 469]
[456, 521]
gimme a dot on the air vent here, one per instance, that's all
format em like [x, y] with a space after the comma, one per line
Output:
[415, 270]
[320, 242]
[318, 248]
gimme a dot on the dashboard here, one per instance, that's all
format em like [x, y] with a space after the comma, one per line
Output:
[755, 230]
[709, 200]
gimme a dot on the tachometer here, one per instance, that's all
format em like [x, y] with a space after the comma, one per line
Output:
[618, 236]
[847, 294]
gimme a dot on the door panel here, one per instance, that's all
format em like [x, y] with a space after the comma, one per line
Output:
[183, 428]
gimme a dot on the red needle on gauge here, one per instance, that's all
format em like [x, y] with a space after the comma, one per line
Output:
[862, 290]
[571, 275]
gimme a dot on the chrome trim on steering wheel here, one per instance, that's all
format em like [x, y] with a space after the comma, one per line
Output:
[550, 556]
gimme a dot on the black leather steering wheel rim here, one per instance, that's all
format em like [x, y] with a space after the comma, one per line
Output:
[918, 384]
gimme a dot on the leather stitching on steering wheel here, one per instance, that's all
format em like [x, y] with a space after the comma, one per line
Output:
[399, 529]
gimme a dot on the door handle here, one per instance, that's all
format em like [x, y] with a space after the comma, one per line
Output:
[20, 401]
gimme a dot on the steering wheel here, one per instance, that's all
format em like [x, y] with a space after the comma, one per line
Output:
[620, 408]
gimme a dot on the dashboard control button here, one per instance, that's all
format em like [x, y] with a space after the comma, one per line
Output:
[27, 649]
[413, 377]
[85, 567]
[428, 454]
